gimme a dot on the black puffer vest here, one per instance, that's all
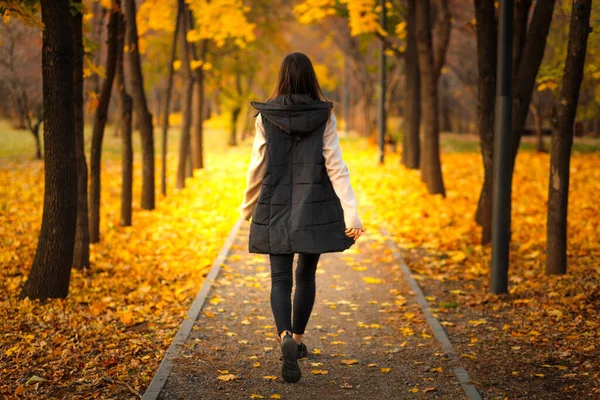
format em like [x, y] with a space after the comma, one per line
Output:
[297, 209]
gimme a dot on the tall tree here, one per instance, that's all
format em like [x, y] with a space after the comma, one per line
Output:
[197, 141]
[431, 60]
[125, 121]
[524, 81]
[487, 37]
[167, 105]
[143, 115]
[100, 121]
[562, 139]
[51, 270]
[528, 54]
[412, 101]
[185, 167]
[81, 256]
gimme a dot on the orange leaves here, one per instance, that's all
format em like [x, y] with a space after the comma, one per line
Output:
[362, 14]
[142, 278]
[440, 241]
[126, 317]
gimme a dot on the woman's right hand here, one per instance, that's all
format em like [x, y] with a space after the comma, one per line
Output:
[354, 232]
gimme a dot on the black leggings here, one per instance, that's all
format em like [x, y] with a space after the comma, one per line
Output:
[281, 290]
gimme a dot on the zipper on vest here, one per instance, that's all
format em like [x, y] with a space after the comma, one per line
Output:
[293, 143]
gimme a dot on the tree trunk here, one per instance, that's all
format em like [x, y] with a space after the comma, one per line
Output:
[487, 37]
[38, 145]
[524, 81]
[81, 256]
[412, 99]
[431, 168]
[197, 146]
[529, 60]
[346, 94]
[184, 166]
[189, 170]
[141, 107]
[167, 105]
[97, 26]
[117, 129]
[51, 270]
[126, 124]
[445, 125]
[24, 115]
[521, 20]
[562, 139]
[536, 111]
[100, 122]
[235, 114]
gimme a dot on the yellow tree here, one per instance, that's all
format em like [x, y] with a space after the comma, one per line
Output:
[218, 22]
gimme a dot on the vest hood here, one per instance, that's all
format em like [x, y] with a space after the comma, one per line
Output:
[296, 114]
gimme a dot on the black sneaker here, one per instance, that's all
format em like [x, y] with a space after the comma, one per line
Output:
[290, 371]
[302, 351]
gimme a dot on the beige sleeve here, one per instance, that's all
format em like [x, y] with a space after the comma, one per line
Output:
[256, 170]
[339, 174]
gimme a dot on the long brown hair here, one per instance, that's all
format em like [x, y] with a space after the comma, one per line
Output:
[297, 76]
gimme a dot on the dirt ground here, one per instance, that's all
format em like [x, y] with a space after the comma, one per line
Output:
[367, 336]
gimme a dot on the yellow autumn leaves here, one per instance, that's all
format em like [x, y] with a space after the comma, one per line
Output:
[363, 15]
[221, 20]
[142, 279]
[217, 20]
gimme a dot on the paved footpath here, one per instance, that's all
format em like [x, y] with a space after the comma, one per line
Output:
[367, 336]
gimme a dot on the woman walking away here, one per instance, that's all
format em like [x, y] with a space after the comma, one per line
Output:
[299, 197]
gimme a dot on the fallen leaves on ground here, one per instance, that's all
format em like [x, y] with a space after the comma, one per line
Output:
[227, 377]
[319, 371]
[556, 318]
[121, 316]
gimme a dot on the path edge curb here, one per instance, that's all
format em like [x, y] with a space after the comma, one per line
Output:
[461, 373]
[164, 369]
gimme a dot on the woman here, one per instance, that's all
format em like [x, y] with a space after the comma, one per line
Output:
[299, 197]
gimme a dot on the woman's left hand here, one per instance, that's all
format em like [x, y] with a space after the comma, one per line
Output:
[354, 232]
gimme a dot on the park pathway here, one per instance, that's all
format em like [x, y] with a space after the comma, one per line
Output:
[367, 336]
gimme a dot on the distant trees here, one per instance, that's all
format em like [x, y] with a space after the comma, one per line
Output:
[23, 86]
